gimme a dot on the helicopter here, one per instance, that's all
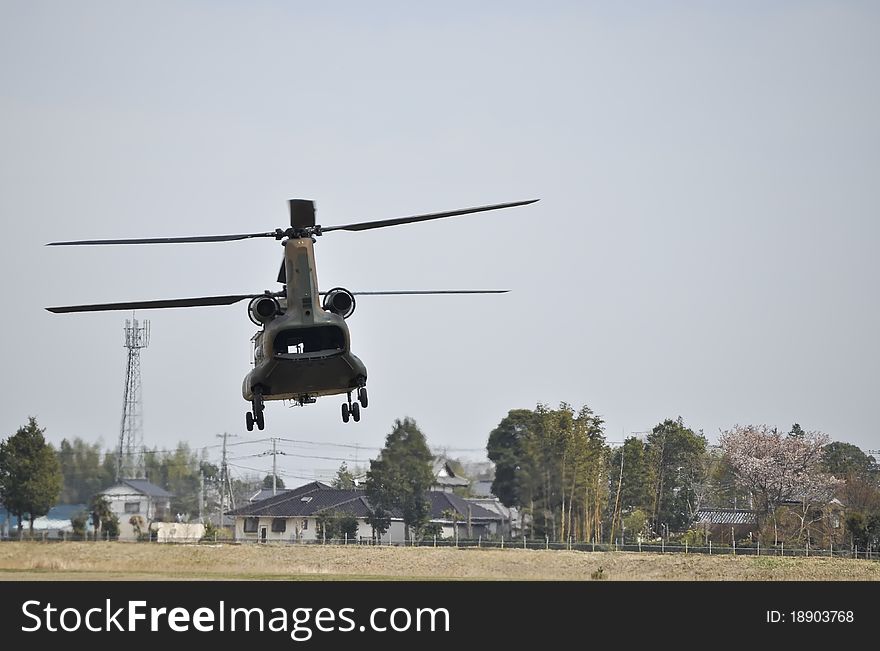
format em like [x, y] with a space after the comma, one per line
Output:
[303, 348]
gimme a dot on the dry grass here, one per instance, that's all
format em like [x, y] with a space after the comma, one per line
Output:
[85, 561]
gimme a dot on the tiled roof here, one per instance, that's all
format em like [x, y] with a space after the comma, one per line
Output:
[442, 502]
[306, 500]
[145, 487]
[726, 516]
[265, 493]
[314, 498]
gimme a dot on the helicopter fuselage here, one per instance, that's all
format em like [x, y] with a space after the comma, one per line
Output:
[304, 351]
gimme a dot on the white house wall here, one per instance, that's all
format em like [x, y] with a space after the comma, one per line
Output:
[119, 496]
[295, 532]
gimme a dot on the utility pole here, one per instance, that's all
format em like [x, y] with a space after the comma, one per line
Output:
[224, 480]
[202, 496]
[274, 452]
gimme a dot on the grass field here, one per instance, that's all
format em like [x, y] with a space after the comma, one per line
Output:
[126, 561]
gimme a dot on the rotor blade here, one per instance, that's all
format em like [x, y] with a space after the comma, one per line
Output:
[200, 301]
[168, 240]
[364, 226]
[430, 291]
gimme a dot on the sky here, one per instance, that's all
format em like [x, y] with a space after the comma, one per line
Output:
[704, 245]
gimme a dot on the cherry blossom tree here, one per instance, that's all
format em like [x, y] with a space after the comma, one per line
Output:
[780, 469]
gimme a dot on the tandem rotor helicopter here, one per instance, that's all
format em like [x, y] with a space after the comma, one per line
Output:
[303, 349]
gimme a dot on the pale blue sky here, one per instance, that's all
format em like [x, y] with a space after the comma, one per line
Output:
[705, 244]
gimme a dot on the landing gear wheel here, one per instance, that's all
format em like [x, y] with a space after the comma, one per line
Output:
[249, 421]
[257, 407]
[356, 412]
[346, 413]
[362, 397]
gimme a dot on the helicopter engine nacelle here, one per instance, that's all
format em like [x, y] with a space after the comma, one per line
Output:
[339, 301]
[263, 309]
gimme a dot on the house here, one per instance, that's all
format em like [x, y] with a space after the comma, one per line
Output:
[511, 524]
[481, 474]
[137, 497]
[461, 518]
[719, 524]
[293, 516]
[481, 488]
[445, 478]
[56, 524]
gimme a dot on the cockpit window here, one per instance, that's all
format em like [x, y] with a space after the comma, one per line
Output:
[309, 340]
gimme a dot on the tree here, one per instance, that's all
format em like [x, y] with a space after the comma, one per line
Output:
[110, 526]
[83, 471]
[508, 450]
[797, 431]
[78, 523]
[847, 460]
[344, 477]
[332, 524]
[551, 463]
[101, 513]
[634, 524]
[30, 474]
[676, 467]
[630, 482]
[724, 490]
[380, 521]
[779, 469]
[578, 438]
[865, 531]
[137, 524]
[401, 475]
[267, 482]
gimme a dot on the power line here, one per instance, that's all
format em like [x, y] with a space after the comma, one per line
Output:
[281, 473]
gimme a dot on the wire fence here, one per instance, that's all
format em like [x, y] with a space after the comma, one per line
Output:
[662, 547]
[781, 550]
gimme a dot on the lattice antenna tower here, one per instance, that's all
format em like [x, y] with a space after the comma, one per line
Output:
[130, 456]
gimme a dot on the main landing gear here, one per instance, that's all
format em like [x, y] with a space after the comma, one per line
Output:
[353, 410]
[256, 413]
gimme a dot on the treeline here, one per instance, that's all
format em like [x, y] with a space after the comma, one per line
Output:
[182, 471]
[556, 467]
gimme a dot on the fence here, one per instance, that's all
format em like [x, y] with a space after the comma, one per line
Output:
[780, 550]
[871, 553]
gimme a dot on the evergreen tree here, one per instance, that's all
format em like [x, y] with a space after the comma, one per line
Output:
[401, 475]
[344, 477]
[30, 474]
[508, 450]
[267, 482]
[676, 465]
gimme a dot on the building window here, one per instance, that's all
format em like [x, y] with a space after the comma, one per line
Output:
[279, 525]
[250, 525]
[305, 524]
[132, 507]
